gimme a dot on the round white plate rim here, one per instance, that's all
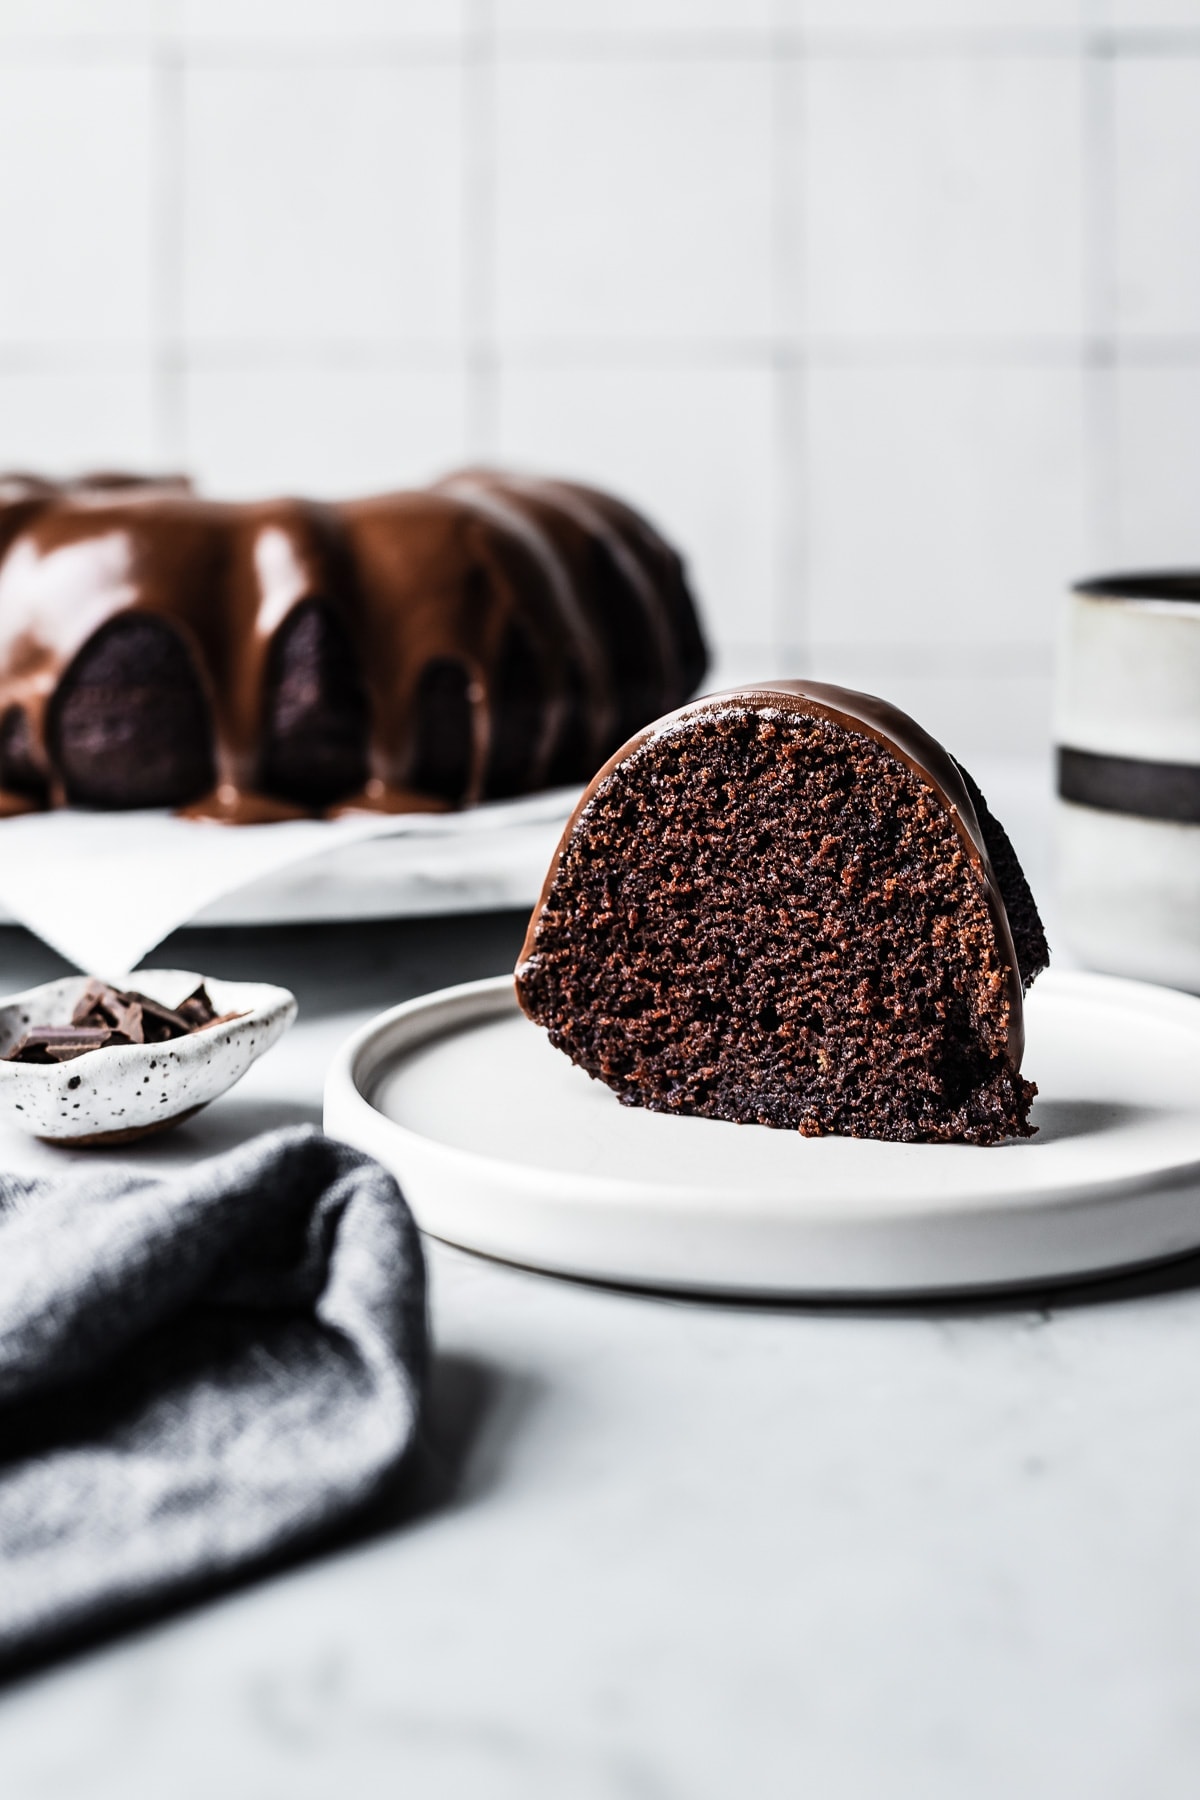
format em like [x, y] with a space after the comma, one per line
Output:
[447, 1010]
[359, 1064]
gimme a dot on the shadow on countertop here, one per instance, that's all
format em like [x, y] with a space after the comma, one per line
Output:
[473, 1410]
[1174, 1275]
[368, 965]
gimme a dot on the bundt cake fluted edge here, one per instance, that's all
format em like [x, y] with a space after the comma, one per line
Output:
[429, 648]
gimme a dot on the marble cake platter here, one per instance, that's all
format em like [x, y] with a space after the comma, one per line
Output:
[503, 1147]
[104, 888]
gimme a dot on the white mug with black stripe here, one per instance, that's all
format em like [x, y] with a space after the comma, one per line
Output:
[1128, 732]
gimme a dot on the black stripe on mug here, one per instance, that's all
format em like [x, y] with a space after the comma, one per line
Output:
[1126, 784]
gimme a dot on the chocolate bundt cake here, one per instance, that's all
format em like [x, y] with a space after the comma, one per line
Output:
[787, 905]
[489, 636]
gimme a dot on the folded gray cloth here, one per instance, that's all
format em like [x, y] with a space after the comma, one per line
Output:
[197, 1373]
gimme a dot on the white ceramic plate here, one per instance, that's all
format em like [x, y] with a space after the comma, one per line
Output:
[503, 1146]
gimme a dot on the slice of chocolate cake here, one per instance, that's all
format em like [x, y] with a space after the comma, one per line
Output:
[787, 905]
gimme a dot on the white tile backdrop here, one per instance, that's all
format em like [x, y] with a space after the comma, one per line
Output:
[889, 310]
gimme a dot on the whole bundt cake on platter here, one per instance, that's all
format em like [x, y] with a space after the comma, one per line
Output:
[788, 905]
[488, 636]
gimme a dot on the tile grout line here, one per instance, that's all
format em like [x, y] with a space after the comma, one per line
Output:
[481, 423]
[166, 247]
[1101, 446]
[1128, 352]
[781, 43]
[789, 622]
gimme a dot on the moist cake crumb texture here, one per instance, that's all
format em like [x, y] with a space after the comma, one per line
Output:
[766, 917]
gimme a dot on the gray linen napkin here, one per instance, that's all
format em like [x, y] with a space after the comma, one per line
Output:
[197, 1373]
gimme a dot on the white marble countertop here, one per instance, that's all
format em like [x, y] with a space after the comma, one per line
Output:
[679, 1551]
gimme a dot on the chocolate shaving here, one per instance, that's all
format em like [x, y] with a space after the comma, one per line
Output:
[198, 1010]
[105, 1017]
[221, 1019]
[62, 1043]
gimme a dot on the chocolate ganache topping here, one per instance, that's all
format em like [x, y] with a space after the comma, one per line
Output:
[260, 660]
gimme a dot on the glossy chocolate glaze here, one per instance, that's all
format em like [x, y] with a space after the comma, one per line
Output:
[871, 717]
[634, 541]
[621, 571]
[478, 580]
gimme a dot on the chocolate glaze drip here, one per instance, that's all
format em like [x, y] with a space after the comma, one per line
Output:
[610, 563]
[409, 651]
[899, 735]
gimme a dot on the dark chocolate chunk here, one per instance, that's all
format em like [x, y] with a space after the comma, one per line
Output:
[197, 1009]
[105, 1017]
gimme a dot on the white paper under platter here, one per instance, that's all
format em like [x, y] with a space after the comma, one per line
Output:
[502, 1146]
[105, 888]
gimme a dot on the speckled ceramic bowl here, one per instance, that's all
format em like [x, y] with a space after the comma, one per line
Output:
[117, 1095]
